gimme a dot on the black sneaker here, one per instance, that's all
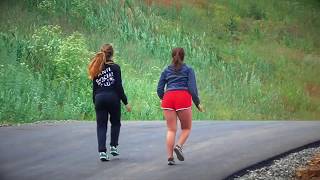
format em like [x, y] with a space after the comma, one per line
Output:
[171, 161]
[178, 151]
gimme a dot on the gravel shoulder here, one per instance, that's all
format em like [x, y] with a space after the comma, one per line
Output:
[280, 167]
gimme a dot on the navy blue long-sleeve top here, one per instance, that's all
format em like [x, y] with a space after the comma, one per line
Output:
[182, 79]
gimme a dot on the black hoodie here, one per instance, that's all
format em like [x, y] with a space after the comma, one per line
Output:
[109, 80]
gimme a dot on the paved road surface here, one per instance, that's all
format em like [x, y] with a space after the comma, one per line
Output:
[67, 150]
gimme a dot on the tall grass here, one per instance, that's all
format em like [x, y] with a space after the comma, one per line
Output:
[240, 50]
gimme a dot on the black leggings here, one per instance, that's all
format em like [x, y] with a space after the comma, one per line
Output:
[107, 104]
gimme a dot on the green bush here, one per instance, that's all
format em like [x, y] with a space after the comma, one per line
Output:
[70, 62]
[80, 8]
[44, 46]
[256, 12]
[47, 7]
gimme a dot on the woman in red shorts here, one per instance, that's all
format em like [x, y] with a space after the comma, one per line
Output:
[176, 88]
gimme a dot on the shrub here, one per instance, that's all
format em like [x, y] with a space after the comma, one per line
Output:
[47, 6]
[256, 12]
[44, 45]
[71, 61]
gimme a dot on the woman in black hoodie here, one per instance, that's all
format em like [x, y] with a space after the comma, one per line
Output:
[107, 93]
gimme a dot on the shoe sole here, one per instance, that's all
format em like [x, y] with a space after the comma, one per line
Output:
[171, 163]
[114, 154]
[104, 159]
[179, 155]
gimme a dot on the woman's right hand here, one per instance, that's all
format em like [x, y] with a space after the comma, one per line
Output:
[128, 107]
[200, 108]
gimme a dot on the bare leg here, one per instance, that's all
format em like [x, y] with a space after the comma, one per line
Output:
[171, 118]
[185, 117]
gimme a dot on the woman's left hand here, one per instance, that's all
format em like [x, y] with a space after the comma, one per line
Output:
[200, 108]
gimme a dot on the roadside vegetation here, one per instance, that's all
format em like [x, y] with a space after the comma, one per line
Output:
[253, 59]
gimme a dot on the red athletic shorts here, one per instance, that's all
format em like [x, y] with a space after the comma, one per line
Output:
[176, 100]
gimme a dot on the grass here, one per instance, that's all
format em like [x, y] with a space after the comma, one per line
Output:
[253, 59]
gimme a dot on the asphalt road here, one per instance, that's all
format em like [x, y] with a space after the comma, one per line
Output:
[215, 149]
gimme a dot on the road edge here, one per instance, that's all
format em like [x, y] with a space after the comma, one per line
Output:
[269, 161]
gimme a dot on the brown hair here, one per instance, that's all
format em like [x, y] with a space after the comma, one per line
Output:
[97, 62]
[177, 57]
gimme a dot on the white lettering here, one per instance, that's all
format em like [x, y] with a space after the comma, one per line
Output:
[106, 79]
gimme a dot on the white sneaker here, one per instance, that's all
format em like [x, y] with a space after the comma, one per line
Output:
[114, 151]
[104, 156]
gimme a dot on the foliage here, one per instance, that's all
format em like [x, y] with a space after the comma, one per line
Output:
[253, 59]
[43, 47]
[71, 58]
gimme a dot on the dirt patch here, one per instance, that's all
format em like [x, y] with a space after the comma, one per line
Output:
[313, 90]
[293, 54]
[311, 171]
[198, 3]
[166, 3]
[178, 3]
[272, 52]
